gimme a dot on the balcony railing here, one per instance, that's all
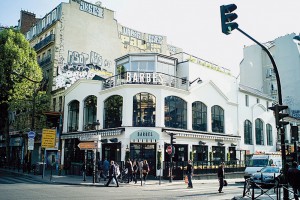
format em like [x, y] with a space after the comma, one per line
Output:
[45, 61]
[146, 78]
[44, 42]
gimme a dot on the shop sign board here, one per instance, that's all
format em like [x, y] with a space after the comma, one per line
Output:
[48, 138]
[87, 145]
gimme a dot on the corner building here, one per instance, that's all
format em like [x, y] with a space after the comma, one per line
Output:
[152, 96]
[141, 89]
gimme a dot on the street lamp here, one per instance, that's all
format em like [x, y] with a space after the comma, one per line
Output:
[97, 126]
[159, 160]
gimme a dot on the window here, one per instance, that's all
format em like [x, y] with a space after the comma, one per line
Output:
[267, 105]
[54, 15]
[259, 132]
[175, 112]
[257, 100]
[248, 132]
[144, 110]
[199, 112]
[269, 135]
[113, 111]
[90, 113]
[217, 117]
[73, 114]
[54, 104]
[60, 103]
[247, 100]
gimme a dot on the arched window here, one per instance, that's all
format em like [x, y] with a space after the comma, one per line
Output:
[248, 132]
[217, 117]
[269, 135]
[175, 112]
[199, 112]
[90, 113]
[113, 111]
[259, 132]
[73, 114]
[144, 110]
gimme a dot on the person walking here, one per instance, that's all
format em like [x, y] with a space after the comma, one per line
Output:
[112, 174]
[189, 173]
[293, 178]
[128, 166]
[135, 171]
[145, 170]
[105, 168]
[221, 175]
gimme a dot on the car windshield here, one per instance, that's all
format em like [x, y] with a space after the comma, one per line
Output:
[258, 162]
[270, 170]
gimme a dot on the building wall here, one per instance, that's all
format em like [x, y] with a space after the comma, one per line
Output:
[256, 65]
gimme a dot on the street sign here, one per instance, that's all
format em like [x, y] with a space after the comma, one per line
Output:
[48, 138]
[169, 150]
[30, 144]
[31, 134]
[87, 145]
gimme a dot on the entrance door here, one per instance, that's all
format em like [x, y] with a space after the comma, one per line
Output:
[144, 152]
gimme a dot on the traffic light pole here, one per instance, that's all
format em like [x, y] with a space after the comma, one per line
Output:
[280, 129]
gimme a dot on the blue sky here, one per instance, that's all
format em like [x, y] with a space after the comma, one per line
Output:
[193, 25]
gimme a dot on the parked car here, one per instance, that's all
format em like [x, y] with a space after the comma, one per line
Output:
[266, 176]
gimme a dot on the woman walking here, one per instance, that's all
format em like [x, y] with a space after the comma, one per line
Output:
[189, 173]
[145, 170]
[135, 168]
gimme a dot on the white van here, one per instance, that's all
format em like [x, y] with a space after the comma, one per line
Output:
[257, 162]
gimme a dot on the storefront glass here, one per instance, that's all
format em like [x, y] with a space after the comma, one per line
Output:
[113, 111]
[144, 110]
[147, 152]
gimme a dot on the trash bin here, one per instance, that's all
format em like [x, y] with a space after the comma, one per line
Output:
[39, 168]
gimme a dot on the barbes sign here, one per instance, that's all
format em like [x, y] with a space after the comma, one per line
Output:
[144, 134]
[144, 77]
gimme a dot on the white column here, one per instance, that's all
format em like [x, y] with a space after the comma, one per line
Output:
[62, 161]
[81, 111]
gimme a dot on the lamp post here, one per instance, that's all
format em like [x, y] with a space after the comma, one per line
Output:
[159, 160]
[97, 125]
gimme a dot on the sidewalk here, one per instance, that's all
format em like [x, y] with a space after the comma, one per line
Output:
[78, 180]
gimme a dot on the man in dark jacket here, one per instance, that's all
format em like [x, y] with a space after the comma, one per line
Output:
[293, 178]
[112, 173]
[189, 173]
[221, 175]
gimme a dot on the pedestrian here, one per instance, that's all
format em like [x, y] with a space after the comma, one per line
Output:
[129, 169]
[100, 170]
[189, 173]
[112, 174]
[135, 171]
[293, 178]
[146, 170]
[221, 176]
[105, 168]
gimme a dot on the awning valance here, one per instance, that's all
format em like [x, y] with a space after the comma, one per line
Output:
[103, 133]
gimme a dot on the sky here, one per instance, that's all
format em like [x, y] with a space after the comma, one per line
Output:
[193, 25]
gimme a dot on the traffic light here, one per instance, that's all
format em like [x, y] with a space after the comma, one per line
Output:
[279, 116]
[172, 138]
[227, 18]
[294, 130]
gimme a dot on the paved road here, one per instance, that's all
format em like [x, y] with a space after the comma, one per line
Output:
[22, 186]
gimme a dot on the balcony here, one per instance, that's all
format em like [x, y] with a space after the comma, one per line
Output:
[45, 61]
[45, 42]
[146, 78]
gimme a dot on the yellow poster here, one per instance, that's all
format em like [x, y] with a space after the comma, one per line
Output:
[48, 138]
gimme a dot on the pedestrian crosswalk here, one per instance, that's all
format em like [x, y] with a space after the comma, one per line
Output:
[19, 180]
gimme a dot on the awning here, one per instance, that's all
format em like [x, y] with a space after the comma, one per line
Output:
[201, 135]
[103, 133]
